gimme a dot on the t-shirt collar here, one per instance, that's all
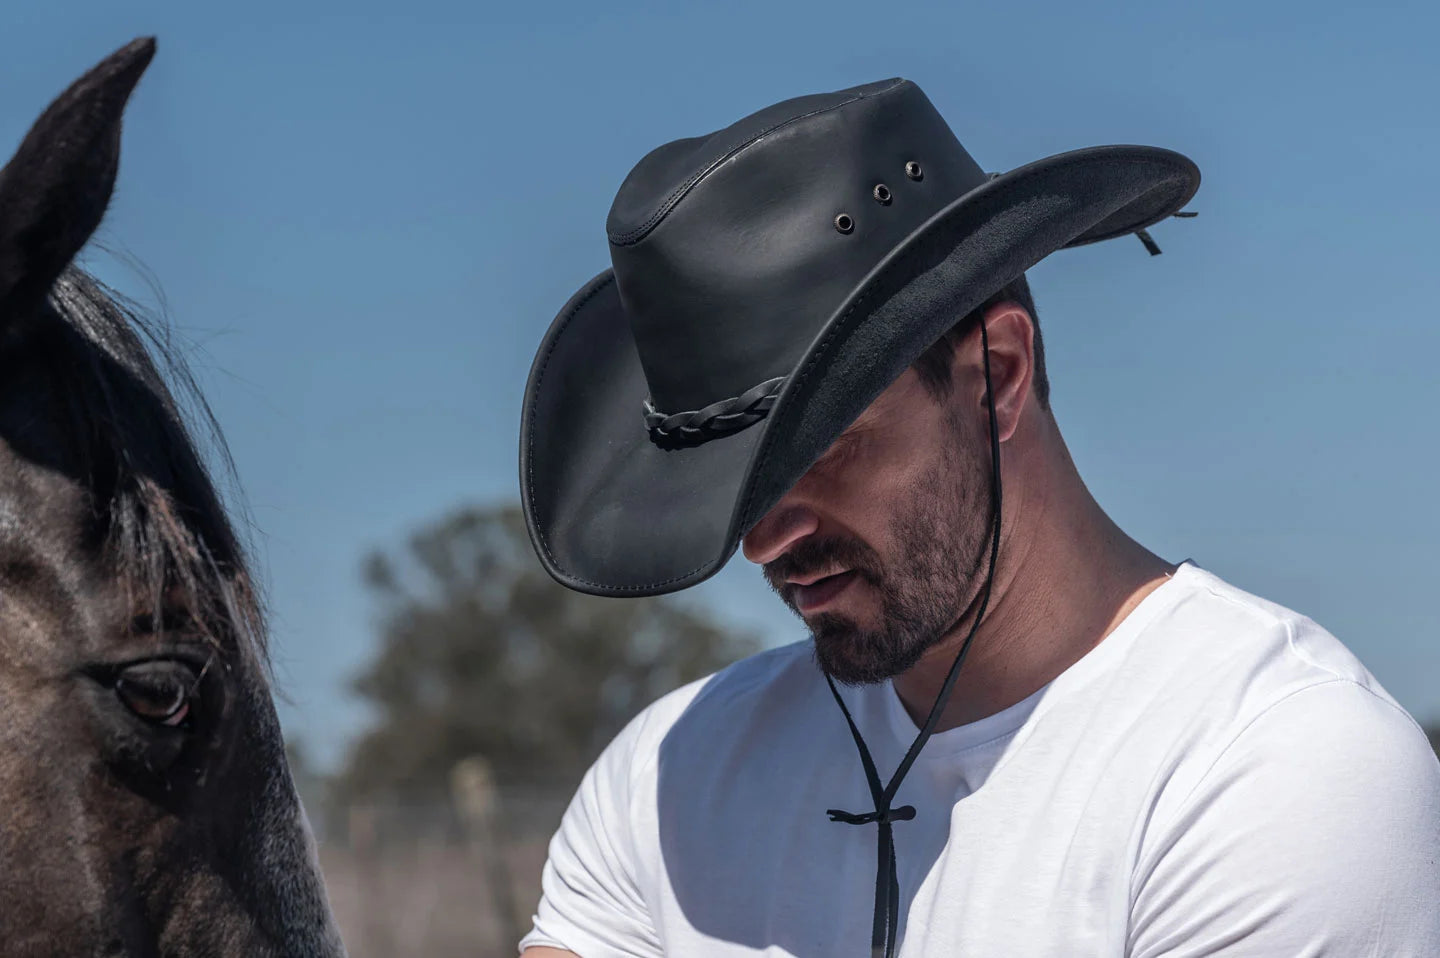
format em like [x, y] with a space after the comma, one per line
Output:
[1007, 721]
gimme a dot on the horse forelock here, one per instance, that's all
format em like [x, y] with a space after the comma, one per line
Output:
[167, 529]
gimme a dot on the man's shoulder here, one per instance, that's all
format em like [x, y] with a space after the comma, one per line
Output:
[1235, 636]
[1241, 679]
[1293, 780]
[1280, 683]
[755, 675]
[780, 674]
[1310, 695]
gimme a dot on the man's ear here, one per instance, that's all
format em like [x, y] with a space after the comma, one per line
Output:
[54, 191]
[1011, 336]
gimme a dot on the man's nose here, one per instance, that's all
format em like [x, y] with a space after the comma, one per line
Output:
[777, 531]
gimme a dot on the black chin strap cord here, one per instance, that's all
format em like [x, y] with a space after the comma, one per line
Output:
[887, 884]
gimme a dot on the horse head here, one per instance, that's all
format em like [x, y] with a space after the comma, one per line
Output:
[147, 805]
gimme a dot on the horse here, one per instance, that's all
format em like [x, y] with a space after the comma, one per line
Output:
[146, 807]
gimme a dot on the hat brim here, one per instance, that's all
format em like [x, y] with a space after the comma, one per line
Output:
[611, 513]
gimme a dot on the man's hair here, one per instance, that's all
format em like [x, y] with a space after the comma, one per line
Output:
[933, 366]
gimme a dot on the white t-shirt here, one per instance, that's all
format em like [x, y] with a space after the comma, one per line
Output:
[1218, 777]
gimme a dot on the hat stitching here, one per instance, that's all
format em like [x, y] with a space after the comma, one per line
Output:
[530, 460]
[673, 200]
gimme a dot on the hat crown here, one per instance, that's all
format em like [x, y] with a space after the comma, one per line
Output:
[731, 251]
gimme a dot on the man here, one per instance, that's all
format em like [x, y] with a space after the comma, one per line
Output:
[817, 342]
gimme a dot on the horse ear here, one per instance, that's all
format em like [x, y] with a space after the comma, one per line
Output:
[54, 191]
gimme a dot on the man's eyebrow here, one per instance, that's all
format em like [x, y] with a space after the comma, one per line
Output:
[842, 442]
[861, 423]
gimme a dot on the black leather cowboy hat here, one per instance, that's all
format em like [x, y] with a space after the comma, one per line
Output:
[769, 281]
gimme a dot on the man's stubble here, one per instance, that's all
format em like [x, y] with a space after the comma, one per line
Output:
[926, 584]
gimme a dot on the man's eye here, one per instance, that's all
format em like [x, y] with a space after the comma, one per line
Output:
[161, 691]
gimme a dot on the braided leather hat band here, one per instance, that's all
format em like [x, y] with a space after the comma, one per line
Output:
[717, 419]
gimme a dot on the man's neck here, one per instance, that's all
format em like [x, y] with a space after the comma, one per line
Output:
[1065, 578]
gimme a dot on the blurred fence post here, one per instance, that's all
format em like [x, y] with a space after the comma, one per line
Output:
[477, 801]
[363, 835]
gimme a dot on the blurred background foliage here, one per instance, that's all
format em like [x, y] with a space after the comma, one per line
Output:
[480, 652]
[491, 689]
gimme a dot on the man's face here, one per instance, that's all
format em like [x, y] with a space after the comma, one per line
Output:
[879, 547]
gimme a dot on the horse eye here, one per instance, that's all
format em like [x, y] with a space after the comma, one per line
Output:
[158, 691]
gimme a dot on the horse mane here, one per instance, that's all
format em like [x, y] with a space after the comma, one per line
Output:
[166, 526]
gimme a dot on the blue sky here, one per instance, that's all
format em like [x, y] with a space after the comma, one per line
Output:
[365, 215]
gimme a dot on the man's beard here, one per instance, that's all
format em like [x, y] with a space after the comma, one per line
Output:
[939, 551]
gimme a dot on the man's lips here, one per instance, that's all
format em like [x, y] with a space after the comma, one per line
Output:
[811, 577]
[812, 594]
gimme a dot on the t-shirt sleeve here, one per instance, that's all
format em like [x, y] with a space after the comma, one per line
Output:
[590, 902]
[1315, 833]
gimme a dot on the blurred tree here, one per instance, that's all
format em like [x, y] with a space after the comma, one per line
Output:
[482, 653]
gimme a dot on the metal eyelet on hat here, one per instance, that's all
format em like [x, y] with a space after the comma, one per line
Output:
[882, 194]
[912, 170]
[844, 222]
